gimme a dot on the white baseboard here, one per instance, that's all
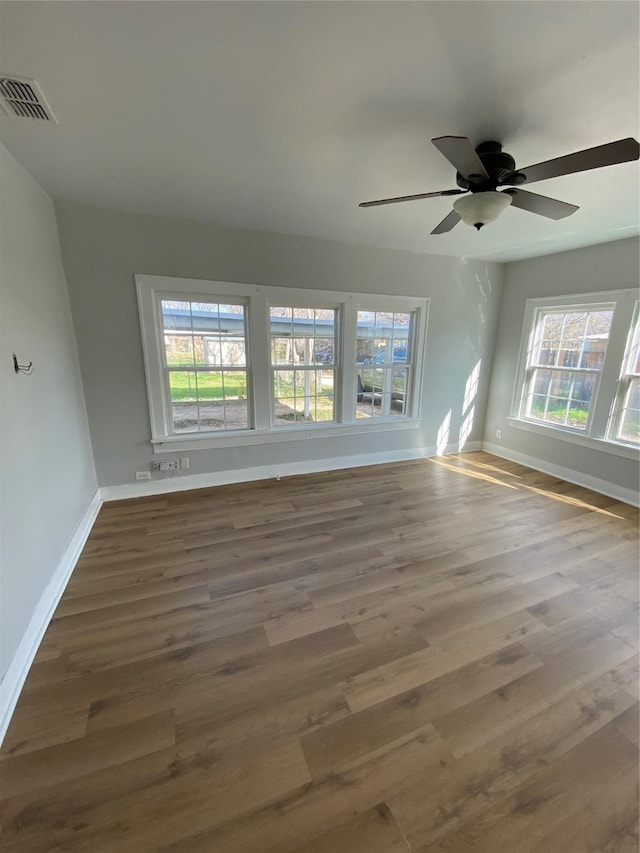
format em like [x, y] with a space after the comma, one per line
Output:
[578, 478]
[182, 483]
[13, 681]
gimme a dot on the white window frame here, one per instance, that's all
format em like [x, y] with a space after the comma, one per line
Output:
[305, 302]
[627, 374]
[167, 426]
[598, 432]
[388, 366]
[152, 289]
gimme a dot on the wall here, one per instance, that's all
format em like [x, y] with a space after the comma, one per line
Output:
[102, 250]
[47, 473]
[610, 266]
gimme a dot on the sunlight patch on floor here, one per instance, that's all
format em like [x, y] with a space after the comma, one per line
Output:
[547, 493]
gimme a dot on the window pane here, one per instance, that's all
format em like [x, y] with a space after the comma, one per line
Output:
[577, 414]
[561, 397]
[233, 352]
[573, 339]
[599, 323]
[381, 392]
[379, 331]
[176, 315]
[303, 396]
[629, 429]
[323, 351]
[574, 325]
[548, 353]
[208, 400]
[398, 391]
[281, 351]
[542, 381]
[179, 350]
[593, 354]
[569, 354]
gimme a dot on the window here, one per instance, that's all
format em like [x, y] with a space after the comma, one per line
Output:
[231, 364]
[383, 360]
[564, 364]
[579, 372]
[303, 364]
[205, 365]
[626, 421]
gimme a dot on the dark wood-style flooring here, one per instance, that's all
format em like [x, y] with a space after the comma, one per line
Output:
[428, 656]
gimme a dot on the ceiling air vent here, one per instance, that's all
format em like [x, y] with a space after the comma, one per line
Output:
[22, 97]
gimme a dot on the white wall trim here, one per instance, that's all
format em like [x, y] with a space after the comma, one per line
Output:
[194, 441]
[602, 445]
[180, 483]
[14, 678]
[604, 487]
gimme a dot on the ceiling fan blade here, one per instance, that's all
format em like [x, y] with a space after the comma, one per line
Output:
[621, 151]
[415, 197]
[460, 152]
[541, 204]
[449, 222]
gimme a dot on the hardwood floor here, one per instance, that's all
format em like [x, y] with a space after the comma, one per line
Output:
[428, 656]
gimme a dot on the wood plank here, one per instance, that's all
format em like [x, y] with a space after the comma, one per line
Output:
[20, 773]
[574, 785]
[430, 807]
[408, 672]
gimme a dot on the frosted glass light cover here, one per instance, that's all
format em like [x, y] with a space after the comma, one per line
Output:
[480, 208]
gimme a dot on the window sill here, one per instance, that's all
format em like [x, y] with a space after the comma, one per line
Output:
[601, 444]
[174, 443]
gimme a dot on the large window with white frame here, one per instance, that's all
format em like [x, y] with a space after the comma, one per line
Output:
[577, 375]
[231, 364]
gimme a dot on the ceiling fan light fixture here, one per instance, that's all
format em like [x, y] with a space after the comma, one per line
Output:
[478, 209]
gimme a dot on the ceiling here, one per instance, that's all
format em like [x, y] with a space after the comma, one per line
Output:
[283, 116]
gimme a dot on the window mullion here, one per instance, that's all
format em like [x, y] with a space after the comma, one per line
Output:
[260, 360]
[346, 369]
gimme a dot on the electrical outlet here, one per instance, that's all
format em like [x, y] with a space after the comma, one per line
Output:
[143, 475]
[498, 433]
[168, 465]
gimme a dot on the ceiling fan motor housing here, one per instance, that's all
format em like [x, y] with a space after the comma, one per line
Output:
[499, 165]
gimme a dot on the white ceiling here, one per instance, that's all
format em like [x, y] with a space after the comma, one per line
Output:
[284, 115]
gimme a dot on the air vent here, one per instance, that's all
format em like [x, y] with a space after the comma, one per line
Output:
[23, 98]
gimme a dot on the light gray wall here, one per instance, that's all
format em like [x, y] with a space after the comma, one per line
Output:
[609, 266]
[47, 475]
[102, 250]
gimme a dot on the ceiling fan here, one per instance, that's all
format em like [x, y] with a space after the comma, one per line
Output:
[482, 170]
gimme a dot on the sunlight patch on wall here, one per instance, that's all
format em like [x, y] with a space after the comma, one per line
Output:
[442, 439]
[471, 387]
[468, 407]
[465, 429]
